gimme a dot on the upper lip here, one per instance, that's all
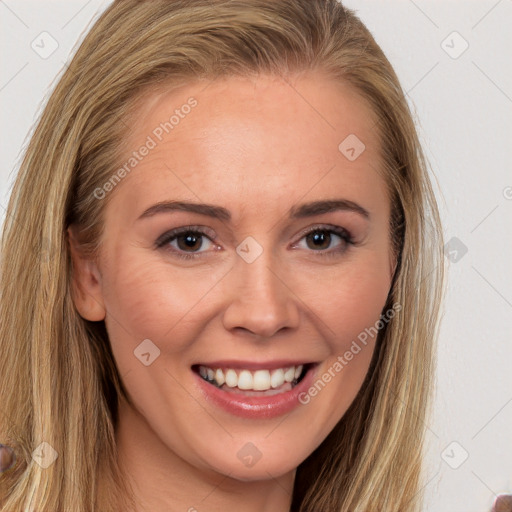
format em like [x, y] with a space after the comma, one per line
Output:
[253, 365]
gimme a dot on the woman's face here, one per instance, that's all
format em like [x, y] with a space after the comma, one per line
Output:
[275, 280]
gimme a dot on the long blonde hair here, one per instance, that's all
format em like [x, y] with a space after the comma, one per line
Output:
[58, 379]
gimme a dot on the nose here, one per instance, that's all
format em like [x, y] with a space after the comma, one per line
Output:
[261, 299]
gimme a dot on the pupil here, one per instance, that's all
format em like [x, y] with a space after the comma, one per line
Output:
[321, 237]
[191, 241]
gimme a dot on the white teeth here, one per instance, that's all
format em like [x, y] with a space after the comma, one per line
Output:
[289, 374]
[219, 377]
[231, 378]
[259, 380]
[277, 378]
[245, 380]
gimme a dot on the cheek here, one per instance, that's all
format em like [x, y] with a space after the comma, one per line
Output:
[147, 299]
[351, 311]
[359, 304]
[348, 299]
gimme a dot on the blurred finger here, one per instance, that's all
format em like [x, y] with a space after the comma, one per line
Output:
[7, 458]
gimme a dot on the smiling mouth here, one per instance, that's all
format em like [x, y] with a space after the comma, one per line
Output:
[263, 382]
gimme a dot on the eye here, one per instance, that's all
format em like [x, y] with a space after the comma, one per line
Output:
[320, 239]
[187, 239]
[186, 242]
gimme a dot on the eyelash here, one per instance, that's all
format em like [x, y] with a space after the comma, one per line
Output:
[168, 237]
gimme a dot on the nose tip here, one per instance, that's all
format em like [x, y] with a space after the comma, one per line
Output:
[263, 303]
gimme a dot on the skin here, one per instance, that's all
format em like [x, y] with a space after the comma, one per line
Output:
[256, 147]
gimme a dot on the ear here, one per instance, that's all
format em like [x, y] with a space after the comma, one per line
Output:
[86, 282]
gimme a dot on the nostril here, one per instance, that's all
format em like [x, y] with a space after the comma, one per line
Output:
[503, 503]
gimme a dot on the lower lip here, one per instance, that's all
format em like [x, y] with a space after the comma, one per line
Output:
[256, 407]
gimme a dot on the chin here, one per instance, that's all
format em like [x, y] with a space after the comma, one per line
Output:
[250, 464]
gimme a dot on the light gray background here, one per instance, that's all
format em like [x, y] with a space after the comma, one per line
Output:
[463, 104]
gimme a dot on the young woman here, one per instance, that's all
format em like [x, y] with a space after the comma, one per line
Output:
[221, 271]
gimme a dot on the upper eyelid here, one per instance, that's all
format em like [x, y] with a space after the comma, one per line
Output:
[175, 232]
[326, 227]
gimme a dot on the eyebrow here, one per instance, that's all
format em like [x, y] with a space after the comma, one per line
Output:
[218, 212]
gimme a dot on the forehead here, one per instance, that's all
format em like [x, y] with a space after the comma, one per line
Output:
[266, 140]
